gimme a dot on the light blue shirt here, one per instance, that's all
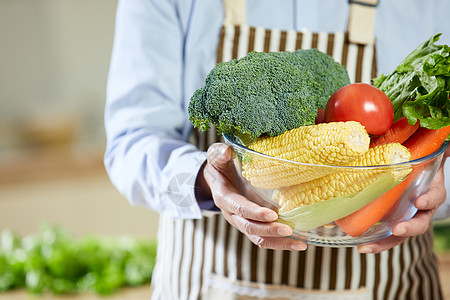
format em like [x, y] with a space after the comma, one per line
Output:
[163, 51]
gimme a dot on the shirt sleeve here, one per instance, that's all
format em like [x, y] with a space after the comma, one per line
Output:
[147, 157]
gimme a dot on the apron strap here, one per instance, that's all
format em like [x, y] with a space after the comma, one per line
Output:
[235, 12]
[361, 21]
[361, 18]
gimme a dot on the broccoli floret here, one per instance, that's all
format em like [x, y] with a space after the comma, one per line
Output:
[266, 93]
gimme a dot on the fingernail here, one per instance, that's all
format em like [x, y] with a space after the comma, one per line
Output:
[298, 246]
[283, 231]
[365, 249]
[271, 216]
[219, 151]
[223, 149]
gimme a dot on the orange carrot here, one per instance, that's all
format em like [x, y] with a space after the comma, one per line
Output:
[422, 143]
[425, 141]
[360, 221]
[399, 132]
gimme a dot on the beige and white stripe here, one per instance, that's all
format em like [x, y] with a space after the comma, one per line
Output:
[241, 39]
[190, 251]
[407, 271]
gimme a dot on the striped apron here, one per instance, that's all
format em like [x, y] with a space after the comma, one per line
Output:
[210, 259]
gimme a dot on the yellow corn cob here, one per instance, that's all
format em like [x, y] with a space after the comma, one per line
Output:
[335, 143]
[345, 182]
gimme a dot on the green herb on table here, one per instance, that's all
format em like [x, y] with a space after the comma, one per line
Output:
[52, 261]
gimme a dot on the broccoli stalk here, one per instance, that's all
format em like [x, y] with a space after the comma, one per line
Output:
[266, 93]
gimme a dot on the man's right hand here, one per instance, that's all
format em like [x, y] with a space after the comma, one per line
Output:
[255, 221]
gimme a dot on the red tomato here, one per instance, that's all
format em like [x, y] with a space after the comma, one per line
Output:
[364, 103]
[320, 116]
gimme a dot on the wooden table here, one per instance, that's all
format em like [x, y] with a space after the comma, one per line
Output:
[144, 292]
[136, 293]
[444, 272]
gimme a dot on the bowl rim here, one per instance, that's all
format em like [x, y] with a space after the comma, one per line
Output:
[407, 164]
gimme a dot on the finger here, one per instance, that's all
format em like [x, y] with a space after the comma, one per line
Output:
[264, 229]
[280, 243]
[446, 153]
[219, 156]
[418, 225]
[381, 245]
[435, 196]
[217, 151]
[228, 199]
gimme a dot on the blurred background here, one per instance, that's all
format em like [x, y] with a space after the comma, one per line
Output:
[54, 59]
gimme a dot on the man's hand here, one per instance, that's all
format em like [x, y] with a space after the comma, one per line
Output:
[255, 221]
[427, 204]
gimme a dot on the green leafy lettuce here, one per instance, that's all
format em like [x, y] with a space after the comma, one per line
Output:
[419, 87]
[54, 262]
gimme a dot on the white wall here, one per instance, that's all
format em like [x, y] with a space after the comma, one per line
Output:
[54, 57]
[54, 60]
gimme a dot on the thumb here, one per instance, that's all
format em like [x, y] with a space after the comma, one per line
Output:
[219, 156]
[219, 159]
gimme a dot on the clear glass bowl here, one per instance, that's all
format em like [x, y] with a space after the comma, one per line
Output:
[326, 223]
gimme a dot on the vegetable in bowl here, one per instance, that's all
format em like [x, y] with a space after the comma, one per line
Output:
[364, 103]
[345, 205]
[266, 93]
[419, 87]
[330, 202]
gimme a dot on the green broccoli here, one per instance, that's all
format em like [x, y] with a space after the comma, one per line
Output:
[266, 93]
